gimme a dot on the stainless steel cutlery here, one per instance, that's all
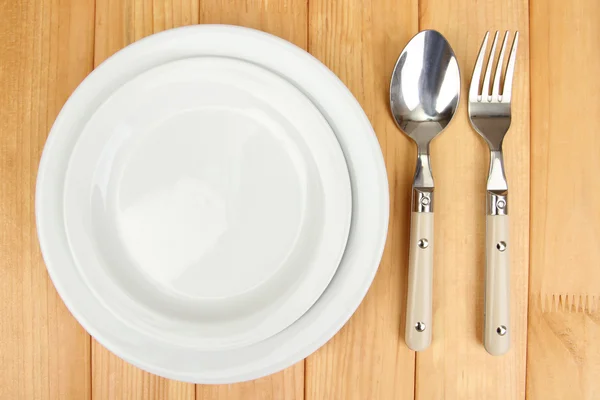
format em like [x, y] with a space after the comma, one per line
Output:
[490, 116]
[424, 95]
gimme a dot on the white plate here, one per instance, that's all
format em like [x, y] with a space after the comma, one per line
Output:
[370, 204]
[208, 202]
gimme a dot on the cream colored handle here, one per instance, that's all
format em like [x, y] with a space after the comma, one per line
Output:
[496, 329]
[420, 282]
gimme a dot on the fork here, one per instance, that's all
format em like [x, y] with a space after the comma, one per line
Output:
[490, 117]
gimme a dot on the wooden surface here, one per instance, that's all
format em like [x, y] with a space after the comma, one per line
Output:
[564, 316]
[552, 154]
[46, 49]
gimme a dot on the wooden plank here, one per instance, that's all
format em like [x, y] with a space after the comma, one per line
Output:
[47, 49]
[563, 351]
[563, 354]
[113, 378]
[286, 19]
[288, 385]
[119, 23]
[457, 366]
[360, 41]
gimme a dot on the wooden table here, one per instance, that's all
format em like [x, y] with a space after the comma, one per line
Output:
[553, 159]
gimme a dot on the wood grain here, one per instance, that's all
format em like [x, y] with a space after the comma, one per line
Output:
[119, 23]
[113, 378]
[360, 41]
[565, 90]
[564, 319]
[44, 353]
[283, 18]
[563, 354]
[456, 366]
[288, 385]
[286, 19]
[122, 22]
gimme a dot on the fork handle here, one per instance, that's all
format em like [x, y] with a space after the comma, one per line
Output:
[420, 281]
[497, 280]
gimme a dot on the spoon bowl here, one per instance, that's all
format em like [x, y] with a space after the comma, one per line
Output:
[425, 87]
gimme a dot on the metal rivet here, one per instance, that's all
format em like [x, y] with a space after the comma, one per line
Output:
[423, 243]
[425, 201]
[501, 246]
[420, 326]
[501, 204]
[501, 330]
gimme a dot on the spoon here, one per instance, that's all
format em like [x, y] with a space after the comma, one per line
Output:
[424, 95]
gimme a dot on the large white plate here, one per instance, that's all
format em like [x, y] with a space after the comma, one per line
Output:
[208, 202]
[370, 206]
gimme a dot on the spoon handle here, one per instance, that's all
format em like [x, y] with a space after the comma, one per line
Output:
[496, 329]
[420, 281]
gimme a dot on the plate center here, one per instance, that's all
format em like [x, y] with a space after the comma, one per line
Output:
[209, 202]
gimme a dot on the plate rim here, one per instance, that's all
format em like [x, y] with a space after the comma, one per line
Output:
[277, 361]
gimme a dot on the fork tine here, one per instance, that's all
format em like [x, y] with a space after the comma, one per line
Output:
[510, 71]
[498, 74]
[485, 90]
[476, 78]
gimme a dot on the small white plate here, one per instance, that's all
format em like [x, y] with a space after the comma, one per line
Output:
[370, 206]
[207, 202]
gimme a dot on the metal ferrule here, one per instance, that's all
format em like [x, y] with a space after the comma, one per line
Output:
[422, 200]
[497, 203]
